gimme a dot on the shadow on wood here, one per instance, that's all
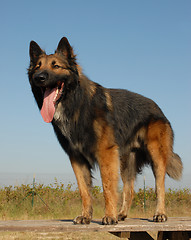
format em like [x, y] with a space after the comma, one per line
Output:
[133, 235]
[174, 235]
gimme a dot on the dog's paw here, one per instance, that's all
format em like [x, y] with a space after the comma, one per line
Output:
[82, 220]
[109, 220]
[159, 218]
[121, 217]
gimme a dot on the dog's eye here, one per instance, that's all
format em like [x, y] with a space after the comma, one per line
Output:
[56, 66]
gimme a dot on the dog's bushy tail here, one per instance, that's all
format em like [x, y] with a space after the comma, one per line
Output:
[174, 167]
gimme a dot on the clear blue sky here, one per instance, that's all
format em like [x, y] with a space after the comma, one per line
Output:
[143, 46]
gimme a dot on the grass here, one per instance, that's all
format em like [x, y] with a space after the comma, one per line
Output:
[57, 201]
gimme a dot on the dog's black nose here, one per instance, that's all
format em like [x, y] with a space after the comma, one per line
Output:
[41, 77]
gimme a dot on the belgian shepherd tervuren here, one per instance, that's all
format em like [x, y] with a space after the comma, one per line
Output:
[116, 129]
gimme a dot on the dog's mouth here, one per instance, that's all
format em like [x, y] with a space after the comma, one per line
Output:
[51, 96]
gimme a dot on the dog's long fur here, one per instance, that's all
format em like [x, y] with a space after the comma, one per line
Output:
[116, 129]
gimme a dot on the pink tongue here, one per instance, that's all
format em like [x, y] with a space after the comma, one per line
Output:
[48, 109]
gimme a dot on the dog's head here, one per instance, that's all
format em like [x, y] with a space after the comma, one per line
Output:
[53, 76]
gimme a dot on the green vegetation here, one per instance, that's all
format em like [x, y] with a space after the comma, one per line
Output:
[57, 201]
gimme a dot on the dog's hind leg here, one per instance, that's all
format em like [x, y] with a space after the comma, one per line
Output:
[128, 174]
[160, 148]
[83, 175]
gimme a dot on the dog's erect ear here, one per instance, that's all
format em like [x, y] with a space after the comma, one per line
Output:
[35, 51]
[65, 48]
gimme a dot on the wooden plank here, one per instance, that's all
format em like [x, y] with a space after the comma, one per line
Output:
[130, 225]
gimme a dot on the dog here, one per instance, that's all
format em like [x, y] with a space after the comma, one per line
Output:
[118, 130]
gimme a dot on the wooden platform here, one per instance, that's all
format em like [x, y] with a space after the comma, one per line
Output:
[132, 228]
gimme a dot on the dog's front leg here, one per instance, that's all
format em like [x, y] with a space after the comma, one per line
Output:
[109, 165]
[83, 176]
[107, 154]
